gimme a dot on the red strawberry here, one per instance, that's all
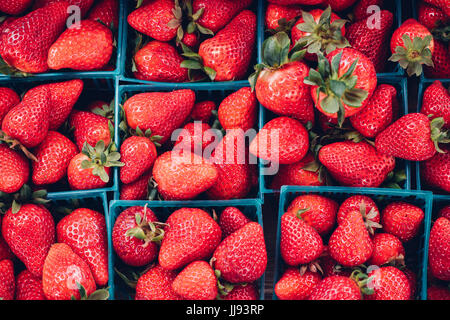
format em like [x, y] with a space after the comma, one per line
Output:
[238, 110]
[441, 4]
[300, 243]
[161, 112]
[283, 140]
[14, 169]
[89, 127]
[440, 58]
[389, 283]
[340, 5]
[156, 284]
[84, 230]
[344, 162]
[242, 256]
[274, 13]
[301, 2]
[336, 288]
[195, 137]
[202, 111]
[350, 243]
[386, 249]
[63, 271]
[29, 287]
[331, 267]
[242, 292]
[196, 281]
[8, 100]
[435, 171]
[84, 5]
[26, 41]
[317, 211]
[159, 61]
[107, 12]
[431, 16]
[445, 212]
[138, 154]
[29, 233]
[412, 279]
[5, 251]
[361, 10]
[191, 235]
[294, 285]
[438, 293]
[190, 39]
[402, 220]
[231, 220]
[7, 280]
[365, 205]
[81, 178]
[53, 155]
[136, 190]
[439, 249]
[436, 102]
[15, 7]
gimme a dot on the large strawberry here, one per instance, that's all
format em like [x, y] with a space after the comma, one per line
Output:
[138, 154]
[436, 102]
[386, 249]
[402, 220]
[439, 249]
[294, 285]
[14, 169]
[238, 110]
[29, 287]
[8, 100]
[107, 12]
[231, 220]
[196, 282]
[435, 172]
[15, 7]
[336, 288]
[7, 280]
[89, 127]
[29, 233]
[275, 13]
[388, 283]
[156, 284]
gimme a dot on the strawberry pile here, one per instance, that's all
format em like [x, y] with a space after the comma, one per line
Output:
[360, 249]
[190, 256]
[35, 38]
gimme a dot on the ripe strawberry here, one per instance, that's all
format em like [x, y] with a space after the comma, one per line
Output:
[195, 137]
[161, 112]
[53, 155]
[350, 244]
[440, 58]
[107, 12]
[360, 11]
[274, 13]
[441, 4]
[84, 231]
[7, 280]
[29, 233]
[14, 169]
[317, 211]
[102, 108]
[336, 288]
[89, 127]
[238, 110]
[8, 100]
[431, 16]
[436, 102]
[301, 2]
[389, 283]
[63, 269]
[344, 162]
[402, 220]
[84, 5]
[231, 220]
[294, 285]
[445, 212]
[386, 249]
[196, 281]
[190, 39]
[412, 280]
[28, 287]
[365, 205]
[242, 256]
[28, 121]
[138, 154]
[331, 267]
[242, 292]
[137, 190]
[159, 61]
[438, 293]
[156, 284]
[439, 249]
[26, 41]
[435, 171]
[15, 7]
[300, 242]
[5, 251]
[191, 234]
[202, 111]
[283, 140]
[340, 5]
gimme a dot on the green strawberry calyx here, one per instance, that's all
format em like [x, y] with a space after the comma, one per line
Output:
[368, 218]
[283, 26]
[437, 134]
[106, 111]
[363, 281]
[145, 230]
[23, 196]
[9, 70]
[148, 134]
[100, 294]
[441, 32]
[194, 64]
[192, 21]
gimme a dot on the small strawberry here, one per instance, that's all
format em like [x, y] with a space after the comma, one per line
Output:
[439, 249]
[156, 284]
[435, 171]
[365, 205]
[275, 13]
[238, 110]
[440, 58]
[138, 154]
[294, 285]
[431, 16]
[436, 102]
[386, 249]
[336, 288]
[388, 283]
[28, 287]
[202, 111]
[14, 169]
[402, 220]
[196, 281]
[231, 220]
[195, 137]
[137, 190]
[7, 280]
[15, 7]
[8, 100]
[90, 127]
[107, 12]
[361, 10]
[242, 292]
[438, 293]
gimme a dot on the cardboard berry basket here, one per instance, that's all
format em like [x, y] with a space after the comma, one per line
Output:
[202, 94]
[416, 249]
[128, 47]
[94, 89]
[399, 83]
[163, 209]
[66, 74]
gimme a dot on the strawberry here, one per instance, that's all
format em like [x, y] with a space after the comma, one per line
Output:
[331, 267]
[29, 233]
[412, 137]
[441, 4]
[336, 288]
[136, 190]
[317, 211]
[340, 5]
[412, 280]
[190, 39]
[7, 280]
[156, 284]
[89, 127]
[196, 281]
[28, 287]
[242, 292]
[53, 155]
[386, 249]
[283, 140]
[63, 272]
[431, 16]
[195, 137]
[84, 5]
[5, 251]
[159, 61]
[440, 58]
[344, 162]
[412, 46]
[294, 285]
[9, 99]
[231, 220]
[242, 256]
[15, 7]
[379, 112]
[274, 13]
[300, 243]
[435, 171]
[84, 230]
[372, 41]
[26, 41]
[202, 111]
[389, 283]
[107, 12]
[436, 102]
[102, 108]
[445, 212]
[402, 220]
[138, 154]
[28, 121]
[191, 235]
[238, 110]
[350, 244]
[439, 249]
[161, 112]
[365, 205]
[14, 169]
[301, 2]
[438, 293]
[361, 10]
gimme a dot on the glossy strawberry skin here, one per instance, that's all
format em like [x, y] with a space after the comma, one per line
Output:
[389, 283]
[136, 190]
[386, 248]
[89, 127]
[195, 137]
[202, 111]
[336, 288]
[360, 10]
[84, 5]
[7, 280]
[14, 169]
[439, 249]
[83, 179]
[430, 16]
[355, 203]
[156, 284]
[445, 212]
[243, 292]
[107, 11]
[238, 110]
[436, 100]
[8, 100]
[15, 7]
[413, 29]
[402, 220]
[276, 12]
[442, 4]
[435, 171]
[138, 154]
[196, 282]
[438, 293]
[296, 286]
[231, 220]
[440, 58]
[28, 287]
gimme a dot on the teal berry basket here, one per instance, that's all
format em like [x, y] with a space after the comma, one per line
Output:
[120, 291]
[128, 48]
[400, 83]
[92, 200]
[202, 94]
[416, 249]
[67, 74]
[94, 89]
